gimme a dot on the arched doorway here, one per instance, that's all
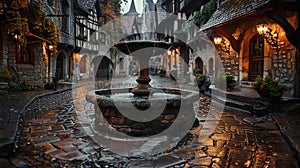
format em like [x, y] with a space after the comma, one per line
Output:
[102, 66]
[83, 64]
[256, 58]
[59, 72]
[199, 64]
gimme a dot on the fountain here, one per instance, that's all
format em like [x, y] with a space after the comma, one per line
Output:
[143, 111]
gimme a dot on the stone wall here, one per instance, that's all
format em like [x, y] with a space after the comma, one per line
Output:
[283, 69]
[33, 74]
[231, 64]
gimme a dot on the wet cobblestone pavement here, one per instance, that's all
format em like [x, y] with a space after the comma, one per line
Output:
[60, 138]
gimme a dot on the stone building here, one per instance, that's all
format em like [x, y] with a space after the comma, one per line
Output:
[258, 38]
[26, 43]
[60, 64]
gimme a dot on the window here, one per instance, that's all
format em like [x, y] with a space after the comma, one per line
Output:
[23, 56]
[102, 37]
[256, 58]
[65, 18]
[83, 65]
[51, 3]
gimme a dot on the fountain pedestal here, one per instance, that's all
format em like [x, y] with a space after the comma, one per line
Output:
[143, 87]
[119, 108]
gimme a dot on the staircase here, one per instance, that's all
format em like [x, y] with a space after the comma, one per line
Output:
[241, 101]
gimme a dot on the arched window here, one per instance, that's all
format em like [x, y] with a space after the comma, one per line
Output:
[102, 38]
[23, 55]
[199, 64]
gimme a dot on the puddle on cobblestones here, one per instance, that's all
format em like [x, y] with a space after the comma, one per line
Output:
[234, 142]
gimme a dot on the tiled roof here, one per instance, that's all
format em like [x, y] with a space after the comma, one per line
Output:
[86, 4]
[232, 9]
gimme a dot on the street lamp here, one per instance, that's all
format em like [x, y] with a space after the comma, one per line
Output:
[267, 33]
[223, 45]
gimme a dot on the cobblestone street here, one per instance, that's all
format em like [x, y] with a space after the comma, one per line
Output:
[62, 137]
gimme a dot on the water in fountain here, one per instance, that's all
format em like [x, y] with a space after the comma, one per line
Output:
[143, 111]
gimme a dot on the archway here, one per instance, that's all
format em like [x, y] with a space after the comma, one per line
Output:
[103, 67]
[60, 61]
[83, 64]
[199, 64]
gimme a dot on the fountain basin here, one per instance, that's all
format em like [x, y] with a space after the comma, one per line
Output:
[141, 115]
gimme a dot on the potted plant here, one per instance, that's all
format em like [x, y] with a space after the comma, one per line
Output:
[268, 89]
[5, 76]
[230, 82]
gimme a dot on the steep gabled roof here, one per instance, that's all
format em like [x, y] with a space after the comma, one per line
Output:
[232, 9]
[132, 10]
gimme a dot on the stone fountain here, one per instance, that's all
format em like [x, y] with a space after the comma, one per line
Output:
[143, 111]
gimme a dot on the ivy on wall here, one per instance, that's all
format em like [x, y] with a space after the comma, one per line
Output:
[207, 11]
[21, 18]
[199, 17]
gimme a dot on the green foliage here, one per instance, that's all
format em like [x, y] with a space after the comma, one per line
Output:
[21, 18]
[200, 77]
[268, 88]
[229, 79]
[230, 82]
[4, 74]
[208, 10]
[199, 17]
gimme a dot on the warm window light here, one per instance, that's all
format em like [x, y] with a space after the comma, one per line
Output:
[217, 40]
[262, 28]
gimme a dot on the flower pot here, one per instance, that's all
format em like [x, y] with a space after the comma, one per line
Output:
[260, 110]
[267, 96]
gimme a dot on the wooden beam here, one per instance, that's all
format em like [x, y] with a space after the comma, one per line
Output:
[233, 42]
[292, 35]
[38, 37]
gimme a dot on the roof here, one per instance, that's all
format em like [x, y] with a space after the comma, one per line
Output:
[86, 4]
[132, 10]
[232, 9]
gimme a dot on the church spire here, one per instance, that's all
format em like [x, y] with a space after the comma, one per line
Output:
[132, 10]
